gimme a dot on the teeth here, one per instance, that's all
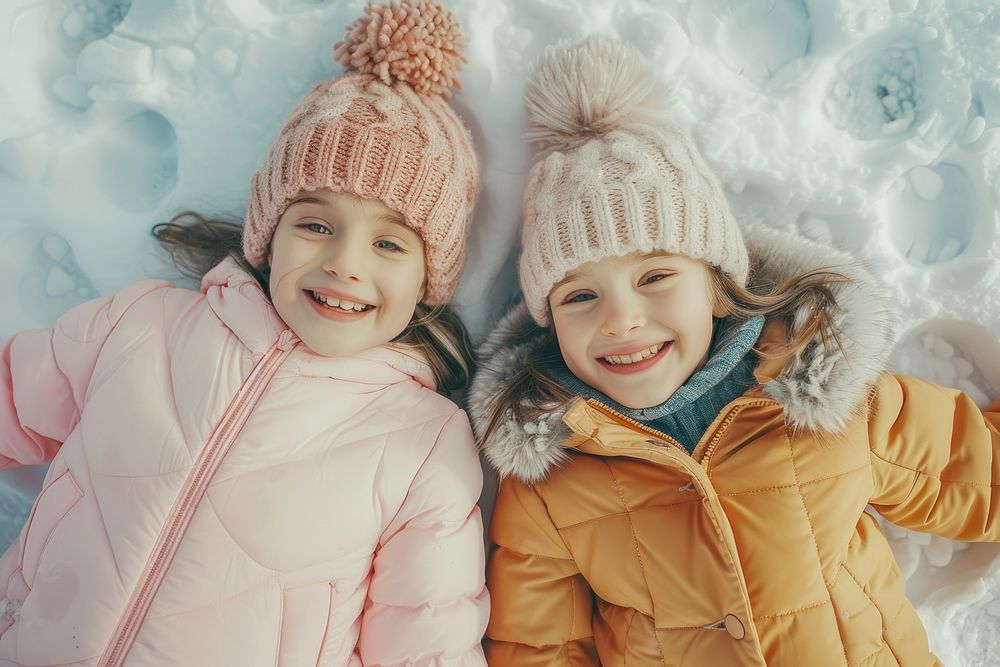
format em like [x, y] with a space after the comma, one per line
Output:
[342, 304]
[634, 358]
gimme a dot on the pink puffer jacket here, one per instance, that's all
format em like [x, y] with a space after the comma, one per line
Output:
[219, 495]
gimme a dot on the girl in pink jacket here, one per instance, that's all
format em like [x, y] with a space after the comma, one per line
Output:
[262, 473]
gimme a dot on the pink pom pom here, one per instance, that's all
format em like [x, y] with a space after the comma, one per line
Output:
[418, 42]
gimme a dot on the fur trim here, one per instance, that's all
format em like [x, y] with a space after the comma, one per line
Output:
[526, 451]
[820, 391]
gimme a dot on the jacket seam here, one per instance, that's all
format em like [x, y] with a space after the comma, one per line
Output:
[836, 577]
[885, 623]
[383, 539]
[548, 515]
[16, 570]
[628, 632]
[778, 487]
[4, 662]
[885, 641]
[167, 354]
[638, 555]
[326, 629]
[782, 614]
[532, 555]
[112, 323]
[281, 626]
[26, 530]
[214, 602]
[812, 530]
[923, 473]
[104, 525]
[882, 646]
[863, 466]
[617, 514]
[77, 400]
[237, 544]
[766, 617]
[55, 525]
[572, 621]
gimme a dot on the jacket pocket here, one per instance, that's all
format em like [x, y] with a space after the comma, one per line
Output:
[51, 507]
[858, 619]
[305, 620]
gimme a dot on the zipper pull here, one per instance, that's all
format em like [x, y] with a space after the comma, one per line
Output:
[287, 340]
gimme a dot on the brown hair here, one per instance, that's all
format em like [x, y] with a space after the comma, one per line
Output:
[531, 392]
[196, 244]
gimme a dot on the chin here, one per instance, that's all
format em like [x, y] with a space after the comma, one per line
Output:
[333, 351]
[638, 402]
[639, 405]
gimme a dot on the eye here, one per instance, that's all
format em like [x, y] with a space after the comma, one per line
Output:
[654, 277]
[579, 297]
[317, 228]
[385, 244]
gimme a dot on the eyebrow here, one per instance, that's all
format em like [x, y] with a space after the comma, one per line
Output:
[572, 275]
[656, 254]
[306, 200]
[394, 217]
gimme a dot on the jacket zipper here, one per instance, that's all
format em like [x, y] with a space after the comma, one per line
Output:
[639, 426]
[717, 436]
[194, 489]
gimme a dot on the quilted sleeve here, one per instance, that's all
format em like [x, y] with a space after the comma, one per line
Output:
[427, 601]
[542, 605]
[45, 373]
[935, 459]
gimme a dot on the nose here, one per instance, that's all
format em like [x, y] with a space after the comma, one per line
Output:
[621, 317]
[344, 261]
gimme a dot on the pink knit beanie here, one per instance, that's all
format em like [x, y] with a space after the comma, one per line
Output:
[614, 176]
[384, 130]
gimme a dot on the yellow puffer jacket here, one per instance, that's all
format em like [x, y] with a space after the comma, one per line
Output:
[616, 547]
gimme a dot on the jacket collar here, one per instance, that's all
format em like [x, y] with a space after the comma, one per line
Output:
[239, 302]
[819, 391]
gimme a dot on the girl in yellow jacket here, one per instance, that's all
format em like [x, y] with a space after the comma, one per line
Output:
[690, 423]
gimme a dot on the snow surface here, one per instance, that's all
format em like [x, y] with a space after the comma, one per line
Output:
[868, 124]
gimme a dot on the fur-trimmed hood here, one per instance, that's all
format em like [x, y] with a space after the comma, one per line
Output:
[819, 390]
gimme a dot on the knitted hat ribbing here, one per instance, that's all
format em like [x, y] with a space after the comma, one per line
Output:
[614, 176]
[384, 131]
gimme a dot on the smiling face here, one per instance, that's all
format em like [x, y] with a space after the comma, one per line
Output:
[345, 272]
[635, 327]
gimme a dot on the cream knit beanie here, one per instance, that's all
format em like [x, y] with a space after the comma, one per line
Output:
[614, 176]
[384, 130]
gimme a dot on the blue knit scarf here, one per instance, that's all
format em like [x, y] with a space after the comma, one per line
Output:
[687, 414]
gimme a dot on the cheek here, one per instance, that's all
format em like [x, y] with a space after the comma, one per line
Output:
[289, 259]
[276, 279]
[412, 282]
[572, 342]
[405, 287]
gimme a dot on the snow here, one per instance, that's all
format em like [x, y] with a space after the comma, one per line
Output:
[873, 125]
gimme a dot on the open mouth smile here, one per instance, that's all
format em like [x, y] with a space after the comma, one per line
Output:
[338, 308]
[636, 361]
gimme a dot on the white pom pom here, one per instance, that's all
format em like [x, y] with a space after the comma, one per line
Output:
[589, 88]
